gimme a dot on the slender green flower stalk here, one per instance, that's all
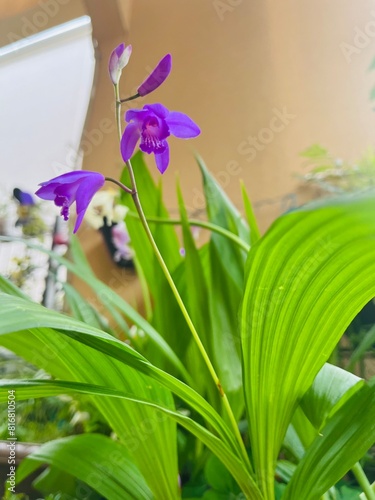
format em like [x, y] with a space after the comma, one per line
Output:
[118, 110]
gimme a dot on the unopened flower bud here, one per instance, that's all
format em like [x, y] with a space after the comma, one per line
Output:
[157, 77]
[118, 60]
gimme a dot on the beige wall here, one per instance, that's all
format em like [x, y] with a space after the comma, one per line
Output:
[231, 71]
[234, 63]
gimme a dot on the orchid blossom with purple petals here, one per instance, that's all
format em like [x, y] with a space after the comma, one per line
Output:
[118, 60]
[156, 77]
[153, 125]
[78, 186]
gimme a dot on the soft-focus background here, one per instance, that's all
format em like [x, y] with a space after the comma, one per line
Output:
[264, 80]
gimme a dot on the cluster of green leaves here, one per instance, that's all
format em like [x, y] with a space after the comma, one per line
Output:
[269, 319]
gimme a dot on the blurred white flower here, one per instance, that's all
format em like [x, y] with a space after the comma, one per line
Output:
[103, 205]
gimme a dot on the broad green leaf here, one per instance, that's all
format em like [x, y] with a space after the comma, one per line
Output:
[82, 310]
[293, 443]
[300, 434]
[31, 322]
[8, 287]
[343, 441]
[285, 470]
[195, 293]
[87, 274]
[42, 388]
[223, 213]
[111, 300]
[224, 302]
[219, 479]
[307, 278]
[225, 277]
[55, 480]
[36, 341]
[330, 389]
[105, 465]
[220, 209]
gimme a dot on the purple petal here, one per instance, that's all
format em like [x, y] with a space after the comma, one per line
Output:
[162, 160]
[84, 195]
[47, 191]
[180, 125]
[129, 140]
[69, 177]
[119, 50]
[78, 186]
[25, 198]
[157, 108]
[79, 220]
[124, 58]
[157, 76]
[137, 115]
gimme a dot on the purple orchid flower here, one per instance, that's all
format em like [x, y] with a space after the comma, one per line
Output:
[157, 76]
[23, 197]
[153, 124]
[78, 186]
[118, 60]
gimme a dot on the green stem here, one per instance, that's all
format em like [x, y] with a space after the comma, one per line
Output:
[199, 223]
[144, 288]
[118, 111]
[363, 481]
[122, 186]
[135, 96]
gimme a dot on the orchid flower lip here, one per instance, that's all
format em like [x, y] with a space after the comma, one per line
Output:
[152, 125]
